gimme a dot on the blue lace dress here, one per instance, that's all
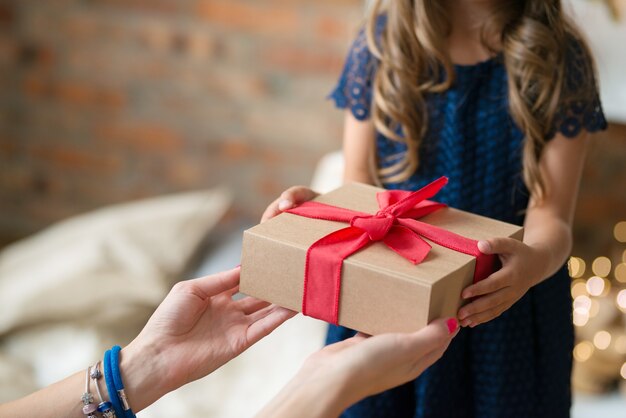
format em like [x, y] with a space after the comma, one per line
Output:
[519, 364]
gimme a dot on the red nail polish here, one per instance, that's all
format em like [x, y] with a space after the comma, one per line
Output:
[452, 324]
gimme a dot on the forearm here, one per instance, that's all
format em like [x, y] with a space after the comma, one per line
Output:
[359, 176]
[315, 397]
[551, 237]
[63, 399]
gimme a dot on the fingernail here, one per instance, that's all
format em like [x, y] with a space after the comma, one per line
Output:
[484, 246]
[453, 325]
[466, 295]
[462, 315]
[466, 323]
[284, 204]
[237, 266]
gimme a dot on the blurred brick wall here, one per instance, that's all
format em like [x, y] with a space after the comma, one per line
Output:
[602, 198]
[108, 100]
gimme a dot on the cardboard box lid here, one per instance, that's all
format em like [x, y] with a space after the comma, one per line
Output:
[301, 232]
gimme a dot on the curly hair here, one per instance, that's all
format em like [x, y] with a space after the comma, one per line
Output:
[533, 41]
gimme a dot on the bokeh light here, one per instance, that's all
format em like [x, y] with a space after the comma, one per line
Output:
[594, 308]
[619, 232]
[602, 340]
[622, 371]
[576, 267]
[579, 288]
[580, 318]
[595, 286]
[583, 351]
[621, 300]
[620, 344]
[582, 303]
[620, 272]
[601, 266]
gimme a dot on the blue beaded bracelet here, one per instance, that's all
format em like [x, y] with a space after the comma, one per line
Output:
[127, 412]
[108, 378]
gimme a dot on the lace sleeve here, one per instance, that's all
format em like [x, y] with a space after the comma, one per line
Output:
[354, 89]
[580, 107]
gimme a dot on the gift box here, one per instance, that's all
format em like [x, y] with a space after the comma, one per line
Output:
[372, 260]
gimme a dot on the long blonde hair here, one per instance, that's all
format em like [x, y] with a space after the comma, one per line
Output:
[533, 36]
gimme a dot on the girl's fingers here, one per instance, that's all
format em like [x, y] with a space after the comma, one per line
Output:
[435, 335]
[482, 304]
[271, 211]
[294, 196]
[266, 321]
[249, 305]
[493, 283]
[498, 245]
[288, 199]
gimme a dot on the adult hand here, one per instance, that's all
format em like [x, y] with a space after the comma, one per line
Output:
[195, 330]
[523, 266]
[287, 200]
[343, 373]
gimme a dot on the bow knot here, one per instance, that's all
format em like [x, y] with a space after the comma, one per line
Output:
[376, 226]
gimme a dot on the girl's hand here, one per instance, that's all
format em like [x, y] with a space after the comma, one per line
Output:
[195, 330]
[522, 268]
[343, 373]
[287, 200]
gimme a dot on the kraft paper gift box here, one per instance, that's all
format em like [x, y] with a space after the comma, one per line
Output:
[375, 289]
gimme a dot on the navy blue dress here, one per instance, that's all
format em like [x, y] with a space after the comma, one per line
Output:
[519, 364]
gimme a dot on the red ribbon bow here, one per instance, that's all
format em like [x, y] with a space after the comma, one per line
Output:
[394, 224]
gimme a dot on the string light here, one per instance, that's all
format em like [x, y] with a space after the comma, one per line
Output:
[619, 232]
[624, 257]
[622, 371]
[602, 340]
[595, 286]
[576, 267]
[620, 272]
[583, 351]
[601, 266]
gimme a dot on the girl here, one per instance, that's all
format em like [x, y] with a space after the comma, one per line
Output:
[499, 96]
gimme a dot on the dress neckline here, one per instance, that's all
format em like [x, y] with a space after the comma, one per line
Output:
[495, 59]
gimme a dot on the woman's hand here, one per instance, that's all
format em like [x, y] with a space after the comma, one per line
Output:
[195, 330]
[343, 373]
[287, 200]
[523, 266]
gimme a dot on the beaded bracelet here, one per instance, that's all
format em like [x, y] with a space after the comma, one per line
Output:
[115, 386]
[89, 408]
[104, 407]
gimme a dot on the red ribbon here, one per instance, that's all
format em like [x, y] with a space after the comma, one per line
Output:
[394, 224]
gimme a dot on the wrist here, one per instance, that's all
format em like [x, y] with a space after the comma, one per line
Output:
[141, 370]
[319, 393]
[542, 256]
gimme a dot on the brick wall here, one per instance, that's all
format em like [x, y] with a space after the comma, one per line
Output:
[108, 100]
